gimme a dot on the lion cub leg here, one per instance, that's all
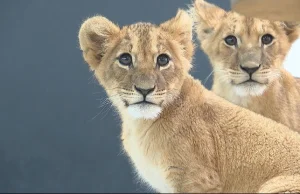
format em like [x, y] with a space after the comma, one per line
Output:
[282, 184]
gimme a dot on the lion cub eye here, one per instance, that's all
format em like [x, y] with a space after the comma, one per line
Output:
[163, 60]
[267, 39]
[231, 40]
[125, 59]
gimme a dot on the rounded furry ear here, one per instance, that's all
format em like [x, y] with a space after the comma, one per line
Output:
[180, 28]
[292, 30]
[206, 17]
[94, 36]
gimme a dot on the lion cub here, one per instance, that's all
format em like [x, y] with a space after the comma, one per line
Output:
[247, 56]
[179, 136]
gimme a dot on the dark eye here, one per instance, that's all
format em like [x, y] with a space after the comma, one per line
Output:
[163, 60]
[267, 39]
[125, 59]
[231, 40]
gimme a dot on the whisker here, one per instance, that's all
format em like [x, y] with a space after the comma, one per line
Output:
[159, 95]
[206, 79]
[107, 100]
[92, 79]
[114, 88]
[106, 112]
[97, 92]
[237, 75]
[224, 78]
[106, 109]
[130, 96]
[101, 111]
[126, 90]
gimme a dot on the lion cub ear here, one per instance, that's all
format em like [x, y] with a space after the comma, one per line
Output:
[180, 28]
[95, 35]
[292, 30]
[206, 17]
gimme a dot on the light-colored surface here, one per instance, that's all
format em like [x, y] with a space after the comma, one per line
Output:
[292, 61]
[281, 10]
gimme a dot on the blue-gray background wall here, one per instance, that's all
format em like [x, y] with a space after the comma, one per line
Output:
[54, 137]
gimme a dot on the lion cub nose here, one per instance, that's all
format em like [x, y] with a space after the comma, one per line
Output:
[250, 70]
[143, 91]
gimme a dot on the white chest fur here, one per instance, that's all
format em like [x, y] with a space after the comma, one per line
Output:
[238, 100]
[146, 169]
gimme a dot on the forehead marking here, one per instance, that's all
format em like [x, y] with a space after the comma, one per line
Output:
[143, 42]
[249, 25]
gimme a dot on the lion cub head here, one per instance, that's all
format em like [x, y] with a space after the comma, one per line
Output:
[141, 66]
[246, 53]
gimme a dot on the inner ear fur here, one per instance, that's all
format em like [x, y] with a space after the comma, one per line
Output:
[180, 28]
[206, 17]
[292, 30]
[95, 35]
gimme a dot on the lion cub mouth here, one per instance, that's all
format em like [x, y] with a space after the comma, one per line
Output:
[249, 88]
[144, 110]
[250, 82]
[144, 102]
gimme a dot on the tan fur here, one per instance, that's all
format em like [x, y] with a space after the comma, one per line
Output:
[278, 94]
[199, 142]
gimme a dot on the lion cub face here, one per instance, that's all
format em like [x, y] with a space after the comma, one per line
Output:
[246, 53]
[141, 66]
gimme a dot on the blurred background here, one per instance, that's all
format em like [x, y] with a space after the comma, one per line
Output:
[56, 133]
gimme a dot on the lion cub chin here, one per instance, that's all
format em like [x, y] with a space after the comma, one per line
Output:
[144, 111]
[247, 56]
[179, 136]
